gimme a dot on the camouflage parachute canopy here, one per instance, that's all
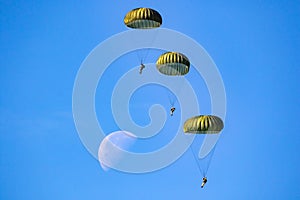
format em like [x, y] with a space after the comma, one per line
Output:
[203, 124]
[173, 64]
[143, 18]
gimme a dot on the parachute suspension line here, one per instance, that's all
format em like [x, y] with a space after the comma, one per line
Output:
[171, 99]
[203, 170]
[143, 56]
[146, 54]
[196, 160]
[209, 159]
[139, 56]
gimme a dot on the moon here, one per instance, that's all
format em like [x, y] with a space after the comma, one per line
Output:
[108, 155]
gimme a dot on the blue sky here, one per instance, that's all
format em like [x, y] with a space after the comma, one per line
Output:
[255, 46]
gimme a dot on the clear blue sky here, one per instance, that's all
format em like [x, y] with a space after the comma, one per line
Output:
[255, 45]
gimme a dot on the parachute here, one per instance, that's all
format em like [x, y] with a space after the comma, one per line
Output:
[173, 64]
[203, 124]
[143, 18]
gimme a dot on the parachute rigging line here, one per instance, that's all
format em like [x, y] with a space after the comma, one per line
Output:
[196, 160]
[209, 159]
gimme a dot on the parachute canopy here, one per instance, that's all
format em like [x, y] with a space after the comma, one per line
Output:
[203, 124]
[173, 63]
[143, 18]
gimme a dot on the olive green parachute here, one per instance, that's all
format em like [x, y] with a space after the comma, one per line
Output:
[173, 64]
[203, 124]
[143, 18]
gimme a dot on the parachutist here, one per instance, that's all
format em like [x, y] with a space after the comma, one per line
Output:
[141, 68]
[204, 180]
[172, 111]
